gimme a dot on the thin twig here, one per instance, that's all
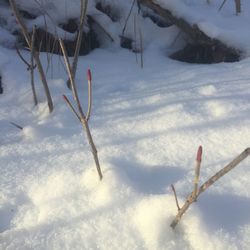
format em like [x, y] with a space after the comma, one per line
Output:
[32, 51]
[16, 125]
[175, 39]
[89, 76]
[175, 196]
[71, 107]
[20, 22]
[81, 114]
[36, 54]
[44, 81]
[22, 58]
[84, 5]
[191, 198]
[141, 45]
[126, 21]
[135, 34]
[71, 77]
[197, 170]
[237, 6]
[221, 6]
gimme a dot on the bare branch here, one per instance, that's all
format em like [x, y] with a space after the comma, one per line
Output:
[175, 196]
[224, 171]
[191, 198]
[81, 115]
[16, 125]
[84, 5]
[72, 80]
[135, 34]
[197, 170]
[36, 54]
[89, 94]
[20, 22]
[221, 6]
[71, 107]
[141, 46]
[22, 58]
[237, 6]
[129, 14]
[44, 81]
[32, 67]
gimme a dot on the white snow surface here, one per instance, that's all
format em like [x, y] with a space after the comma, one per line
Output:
[147, 125]
[224, 25]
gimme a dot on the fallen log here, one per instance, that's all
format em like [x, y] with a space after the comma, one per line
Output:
[200, 45]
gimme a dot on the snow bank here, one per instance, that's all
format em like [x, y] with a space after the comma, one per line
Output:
[223, 25]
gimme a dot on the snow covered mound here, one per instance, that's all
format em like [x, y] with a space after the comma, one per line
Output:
[223, 24]
[120, 18]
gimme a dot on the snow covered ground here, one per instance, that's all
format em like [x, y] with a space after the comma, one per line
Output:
[147, 125]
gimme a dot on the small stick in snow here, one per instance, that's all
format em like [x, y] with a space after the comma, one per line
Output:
[26, 35]
[238, 6]
[1, 87]
[89, 76]
[191, 198]
[71, 107]
[22, 58]
[16, 125]
[197, 170]
[175, 196]
[84, 5]
[135, 29]
[126, 21]
[81, 115]
[32, 66]
[141, 45]
[221, 6]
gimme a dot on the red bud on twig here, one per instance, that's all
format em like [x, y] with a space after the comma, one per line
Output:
[89, 75]
[199, 154]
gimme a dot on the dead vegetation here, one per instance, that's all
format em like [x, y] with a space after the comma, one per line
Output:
[198, 190]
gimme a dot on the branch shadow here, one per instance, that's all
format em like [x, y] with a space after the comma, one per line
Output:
[228, 212]
[153, 180]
